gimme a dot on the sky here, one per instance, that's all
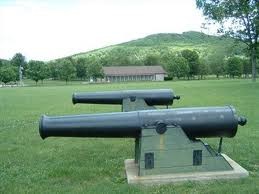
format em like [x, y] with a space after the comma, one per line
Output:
[50, 29]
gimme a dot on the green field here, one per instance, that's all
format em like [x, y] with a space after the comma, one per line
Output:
[83, 165]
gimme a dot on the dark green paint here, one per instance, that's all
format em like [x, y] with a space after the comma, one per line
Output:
[173, 153]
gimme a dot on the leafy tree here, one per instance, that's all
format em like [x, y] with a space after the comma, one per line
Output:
[203, 68]
[151, 60]
[8, 74]
[234, 67]
[44, 72]
[54, 68]
[19, 60]
[192, 58]
[81, 68]
[37, 70]
[166, 58]
[215, 62]
[93, 67]
[95, 71]
[246, 67]
[67, 70]
[117, 56]
[243, 15]
[178, 67]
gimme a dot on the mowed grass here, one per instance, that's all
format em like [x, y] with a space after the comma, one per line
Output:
[96, 165]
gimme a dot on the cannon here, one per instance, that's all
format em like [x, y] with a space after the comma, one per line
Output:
[195, 122]
[150, 97]
[167, 141]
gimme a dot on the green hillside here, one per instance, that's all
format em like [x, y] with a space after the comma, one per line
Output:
[183, 56]
[134, 52]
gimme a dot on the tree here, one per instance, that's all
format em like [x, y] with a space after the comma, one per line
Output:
[81, 68]
[192, 58]
[18, 60]
[151, 59]
[246, 67]
[94, 68]
[67, 70]
[215, 62]
[203, 68]
[234, 67]
[44, 72]
[54, 68]
[95, 71]
[178, 67]
[37, 70]
[243, 15]
[166, 57]
[116, 56]
[8, 74]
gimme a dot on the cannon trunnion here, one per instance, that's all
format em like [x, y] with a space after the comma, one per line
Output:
[166, 140]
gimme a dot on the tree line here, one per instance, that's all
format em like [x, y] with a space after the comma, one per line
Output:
[63, 69]
[185, 64]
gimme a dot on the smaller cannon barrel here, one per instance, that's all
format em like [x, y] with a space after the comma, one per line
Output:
[151, 97]
[196, 123]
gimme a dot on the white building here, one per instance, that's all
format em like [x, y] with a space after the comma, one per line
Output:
[133, 73]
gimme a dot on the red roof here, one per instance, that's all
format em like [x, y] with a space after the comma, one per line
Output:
[133, 70]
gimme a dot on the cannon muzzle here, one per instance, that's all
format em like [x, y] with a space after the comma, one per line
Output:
[151, 97]
[195, 122]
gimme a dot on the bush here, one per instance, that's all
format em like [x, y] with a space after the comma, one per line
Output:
[8, 74]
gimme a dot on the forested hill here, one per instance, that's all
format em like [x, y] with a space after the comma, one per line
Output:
[171, 39]
[155, 46]
[186, 55]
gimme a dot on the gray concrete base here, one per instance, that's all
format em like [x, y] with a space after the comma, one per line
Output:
[133, 178]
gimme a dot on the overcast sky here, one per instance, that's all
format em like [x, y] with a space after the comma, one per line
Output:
[49, 29]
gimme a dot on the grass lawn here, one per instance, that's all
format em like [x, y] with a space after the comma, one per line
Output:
[84, 165]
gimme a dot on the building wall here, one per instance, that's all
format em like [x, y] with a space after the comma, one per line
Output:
[130, 78]
[159, 77]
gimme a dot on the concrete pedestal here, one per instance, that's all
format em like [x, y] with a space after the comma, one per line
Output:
[133, 178]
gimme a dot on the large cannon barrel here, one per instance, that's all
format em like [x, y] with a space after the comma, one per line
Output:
[195, 122]
[151, 97]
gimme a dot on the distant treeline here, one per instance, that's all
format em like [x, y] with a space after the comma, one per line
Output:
[190, 55]
[64, 69]
[185, 64]
[180, 65]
